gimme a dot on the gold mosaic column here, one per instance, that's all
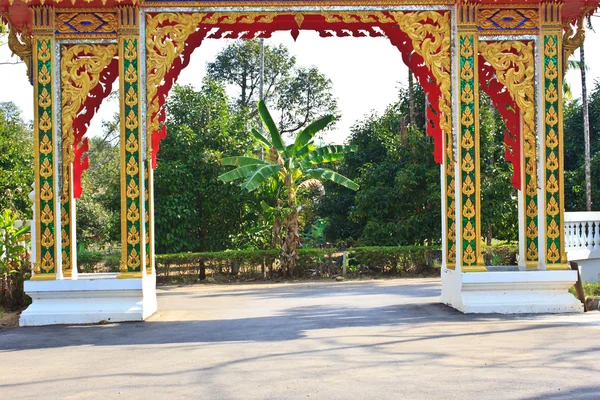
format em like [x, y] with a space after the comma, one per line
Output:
[45, 163]
[468, 176]
[133, 227]
[552, 204]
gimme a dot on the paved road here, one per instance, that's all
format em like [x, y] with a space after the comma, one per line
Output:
[349, 340]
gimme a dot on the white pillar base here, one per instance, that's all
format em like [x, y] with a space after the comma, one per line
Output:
[510, 292]
[89, 299]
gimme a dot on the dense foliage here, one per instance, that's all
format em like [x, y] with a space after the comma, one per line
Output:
[16, 161]
[14, 263]
[194, 211]
[575, 152]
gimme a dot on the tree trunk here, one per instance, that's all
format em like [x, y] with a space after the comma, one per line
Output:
[275, 238]
[289, 250]
[586, 132]
[411, 98]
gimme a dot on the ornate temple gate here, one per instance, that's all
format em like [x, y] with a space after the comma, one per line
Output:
[515, 52]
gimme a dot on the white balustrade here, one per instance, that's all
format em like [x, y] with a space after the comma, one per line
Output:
[582, 231]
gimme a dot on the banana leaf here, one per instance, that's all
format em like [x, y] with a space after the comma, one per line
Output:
[264, 142]
[324, 173]
[307, 133]
[241, 161]
[238, 173]
[263, 173]
[271, 127]
[327, 154]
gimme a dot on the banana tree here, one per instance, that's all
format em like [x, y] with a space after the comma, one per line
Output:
[296, 167]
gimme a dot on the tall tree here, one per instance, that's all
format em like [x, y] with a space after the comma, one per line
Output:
[298, 94]
[193, 211]
[586, 129]
[239, 64]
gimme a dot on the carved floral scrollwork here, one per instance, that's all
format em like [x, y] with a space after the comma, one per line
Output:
[20, 44]
[81, 66]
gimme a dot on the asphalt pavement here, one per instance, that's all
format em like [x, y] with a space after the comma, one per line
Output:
[318, 340]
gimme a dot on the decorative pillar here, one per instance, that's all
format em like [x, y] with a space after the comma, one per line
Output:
[133, 154]
[551, 152]
[468, 193]
[46, 206]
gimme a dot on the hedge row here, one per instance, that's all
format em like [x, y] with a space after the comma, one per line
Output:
[312, 262]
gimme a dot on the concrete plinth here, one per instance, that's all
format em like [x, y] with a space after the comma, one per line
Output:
[510, 292]
[588, 261]
[89, 299]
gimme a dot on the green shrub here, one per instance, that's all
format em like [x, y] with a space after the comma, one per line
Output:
[91, 262]
[14, 261]
[311, 262]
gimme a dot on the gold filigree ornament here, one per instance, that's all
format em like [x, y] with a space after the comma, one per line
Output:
[86, 22]
[133, 260]
[46, 192]
[469, 232]
[64, 216]
[45, 145]
[47, 263]
[552, 207]
[532, 251]
[468, 209]
[46, 169]
[131, 122]
[467, 139]
[130, 50]
[132, 190]
[553, 254]
[19, 43]
[166, 34]
[133, 236]
[65, 241]
[553, 230]
[131, 75]
[45, 123]
[532, 209]
[133, 214]
[132, 167]
[81, 66]
[468, 164]
[504, 19]
[531, 230]
[467, 94]
[131, 98]
[552, 162]
[552, 139]
[468, 187]
[44, 76]
[44, 53]
[552, 184]
[131, 145]
[47, 216]
[574, 36]
[47, 239]
[469, 255]
[466, 72]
